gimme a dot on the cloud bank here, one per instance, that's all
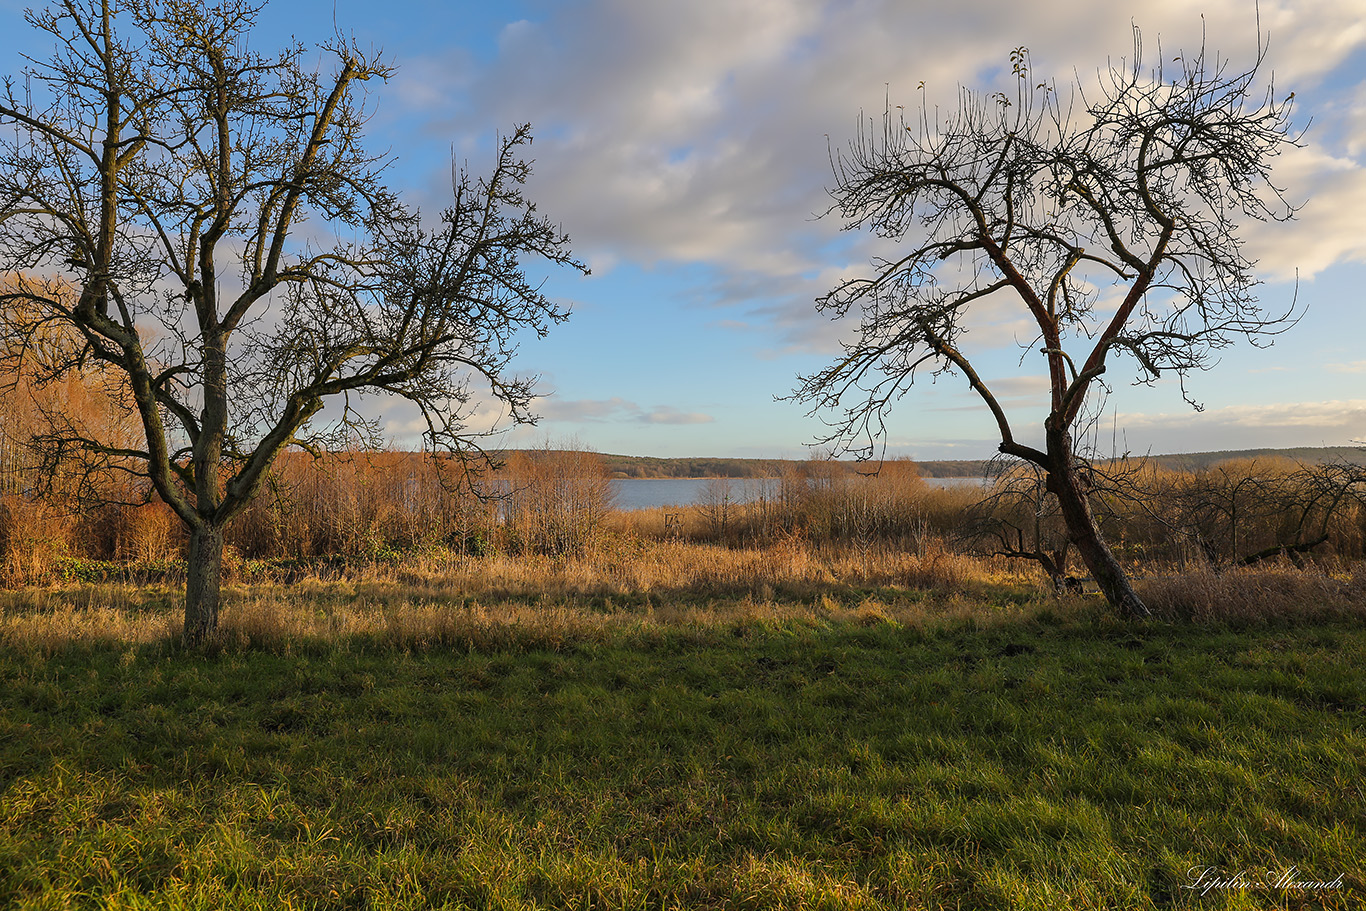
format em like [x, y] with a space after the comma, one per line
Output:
[696, 132]
[615, 410]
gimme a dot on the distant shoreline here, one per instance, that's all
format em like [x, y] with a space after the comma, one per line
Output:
[703, 467]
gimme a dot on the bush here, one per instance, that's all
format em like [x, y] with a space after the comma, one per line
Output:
[555, 501]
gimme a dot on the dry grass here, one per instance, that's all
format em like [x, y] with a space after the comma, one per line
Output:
[629, 566]
[47, 620]
[640, 588]
[325, 614]
[628, 587]
[259, 620]
[1250, 595]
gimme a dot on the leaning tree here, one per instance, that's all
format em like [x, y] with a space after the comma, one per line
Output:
[1110, 218]
[203, 222]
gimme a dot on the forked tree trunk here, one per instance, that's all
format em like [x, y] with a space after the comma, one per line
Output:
[1066, 484]
[204, 574]
[1055, 564]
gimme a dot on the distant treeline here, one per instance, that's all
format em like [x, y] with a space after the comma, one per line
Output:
[649, 467]
[622, 466]
[1186, 461]
[1309, 455]
[959, 469]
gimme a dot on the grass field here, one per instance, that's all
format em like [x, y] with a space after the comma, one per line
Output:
[357, 745]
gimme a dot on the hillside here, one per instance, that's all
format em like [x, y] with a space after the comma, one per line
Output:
[1194, 461]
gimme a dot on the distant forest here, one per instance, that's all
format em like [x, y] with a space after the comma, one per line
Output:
[1186, 461]
[621, 466]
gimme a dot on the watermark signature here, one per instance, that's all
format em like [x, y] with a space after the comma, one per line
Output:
[1215, 879]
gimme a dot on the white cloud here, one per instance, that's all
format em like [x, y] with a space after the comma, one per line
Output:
[1330, 414]
[616, 410]
[1283, 424]
[1280, 425]
[551, 408]
[1034, 388]
[664, 414]
[1331, 226]
[696, 130]
[1352, 367]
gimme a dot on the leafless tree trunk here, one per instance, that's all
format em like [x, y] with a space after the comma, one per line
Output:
[1069, 486]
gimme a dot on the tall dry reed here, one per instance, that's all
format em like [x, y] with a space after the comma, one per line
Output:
[1199, 593]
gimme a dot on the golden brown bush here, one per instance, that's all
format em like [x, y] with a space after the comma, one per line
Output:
[554, 501]
[32, 536]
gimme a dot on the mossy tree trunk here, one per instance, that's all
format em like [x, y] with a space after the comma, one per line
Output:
[203, 584]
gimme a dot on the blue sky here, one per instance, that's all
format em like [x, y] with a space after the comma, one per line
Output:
[683, 145]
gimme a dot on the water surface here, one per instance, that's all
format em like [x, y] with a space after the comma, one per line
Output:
[652, 493]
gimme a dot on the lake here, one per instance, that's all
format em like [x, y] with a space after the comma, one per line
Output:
[652, 493]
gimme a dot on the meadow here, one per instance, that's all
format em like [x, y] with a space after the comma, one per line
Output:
[446, 681]
[677, 724]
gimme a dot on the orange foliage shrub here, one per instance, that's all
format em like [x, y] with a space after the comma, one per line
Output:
[555, 501]
[358, 504]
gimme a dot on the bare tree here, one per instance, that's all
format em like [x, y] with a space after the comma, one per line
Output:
[1111, 220]
[206, 222]
[1216, 507]
[1319, 498]
[1241, 512]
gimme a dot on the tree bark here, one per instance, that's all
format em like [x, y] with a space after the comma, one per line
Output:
[204, 575]
[1066, 483]
[205, 566]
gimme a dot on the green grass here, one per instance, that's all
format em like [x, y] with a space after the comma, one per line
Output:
[1056, 760]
